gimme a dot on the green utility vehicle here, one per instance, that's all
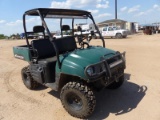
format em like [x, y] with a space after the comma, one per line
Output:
[69, 64]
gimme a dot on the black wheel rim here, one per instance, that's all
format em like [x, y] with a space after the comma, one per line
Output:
[26, 78]
[74, 101]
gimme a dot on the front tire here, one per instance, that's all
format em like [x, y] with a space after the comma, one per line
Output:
[27, 79]
[78, 99]
[115, 84]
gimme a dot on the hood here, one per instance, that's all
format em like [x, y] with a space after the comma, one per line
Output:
[81, 58]
[91, 55]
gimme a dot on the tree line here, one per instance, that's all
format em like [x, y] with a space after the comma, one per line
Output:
[2, 36]
[13, 36]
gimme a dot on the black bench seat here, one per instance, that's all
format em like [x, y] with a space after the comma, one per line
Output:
[65, 44]
[46, 54]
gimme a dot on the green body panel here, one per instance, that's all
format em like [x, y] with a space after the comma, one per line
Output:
[74, 63]
[22, 52]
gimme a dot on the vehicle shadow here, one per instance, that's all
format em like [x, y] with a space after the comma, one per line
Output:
[40, 87]
[57, 94]
[127, 76]
[119, 101]
[54, 93]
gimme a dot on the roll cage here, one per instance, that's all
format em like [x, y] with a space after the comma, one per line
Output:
[60, 14]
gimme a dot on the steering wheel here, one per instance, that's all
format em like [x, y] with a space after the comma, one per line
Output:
[82, 44]
[90, 36]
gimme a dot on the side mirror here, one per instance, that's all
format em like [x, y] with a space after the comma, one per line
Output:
[79, 38]
[79, 29]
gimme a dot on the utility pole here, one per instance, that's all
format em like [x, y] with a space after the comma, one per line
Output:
[115, 9]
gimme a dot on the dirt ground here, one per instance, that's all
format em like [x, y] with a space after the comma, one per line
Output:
[137, 99]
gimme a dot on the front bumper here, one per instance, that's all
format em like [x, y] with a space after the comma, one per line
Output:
[108, 68]
[125, 33]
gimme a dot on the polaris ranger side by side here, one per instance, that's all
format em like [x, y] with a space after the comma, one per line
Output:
[69, 64]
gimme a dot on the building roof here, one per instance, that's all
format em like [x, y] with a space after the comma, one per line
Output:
[112, 21]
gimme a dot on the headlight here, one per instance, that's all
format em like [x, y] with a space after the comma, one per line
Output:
[90, 71]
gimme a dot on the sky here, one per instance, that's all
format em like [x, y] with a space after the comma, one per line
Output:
[141, 11]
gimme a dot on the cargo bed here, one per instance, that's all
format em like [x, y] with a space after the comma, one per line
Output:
[22, 52]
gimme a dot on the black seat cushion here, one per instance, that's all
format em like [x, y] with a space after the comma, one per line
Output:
[44, 48]
[65, 44]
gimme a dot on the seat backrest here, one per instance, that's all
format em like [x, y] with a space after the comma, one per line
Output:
[44, 48]
[65, 28]
[65, 44]
[79, 29]
[37, 29]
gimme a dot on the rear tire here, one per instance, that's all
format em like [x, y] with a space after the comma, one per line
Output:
[78, 99]
[116, 85]
[27, 79]
[118, 35]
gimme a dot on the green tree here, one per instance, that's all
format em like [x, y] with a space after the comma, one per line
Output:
[17, 36]
[2, 36]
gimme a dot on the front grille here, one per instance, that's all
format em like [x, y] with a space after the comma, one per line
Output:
[116, 65]
[124, 33]
[111, 67]
[113, 59]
